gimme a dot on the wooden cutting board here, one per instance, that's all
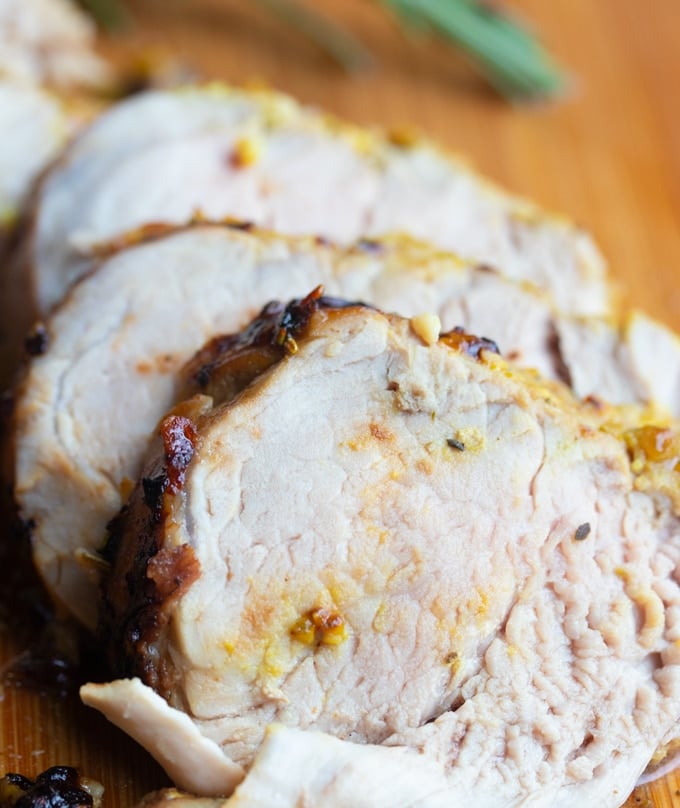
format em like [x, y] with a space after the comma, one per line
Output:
[608, 156]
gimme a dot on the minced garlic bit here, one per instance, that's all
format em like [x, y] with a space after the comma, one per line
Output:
[246, 152]
[321, 626]
[427, 326]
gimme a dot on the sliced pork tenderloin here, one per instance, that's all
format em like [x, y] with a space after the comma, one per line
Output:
[636, 353]
[407, 543]
[34, 128]
[49, 42]
[163, 156]
[107, 363]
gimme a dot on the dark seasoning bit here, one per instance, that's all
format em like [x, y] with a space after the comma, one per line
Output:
[369, 245]
[456, 444]
[37, 342]
[472, 345]
[153, 489]
[57, 787]
[582, 531]
[236, 224]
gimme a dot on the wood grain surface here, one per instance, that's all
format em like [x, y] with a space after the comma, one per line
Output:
[607, 155]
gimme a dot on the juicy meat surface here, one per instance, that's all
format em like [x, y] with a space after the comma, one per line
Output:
[109, 359]
[407, 545]
[164, 156]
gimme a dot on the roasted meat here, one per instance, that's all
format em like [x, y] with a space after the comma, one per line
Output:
[49, 42]
[164, 156]
[34, 128]
[107, 364]
[465, 576]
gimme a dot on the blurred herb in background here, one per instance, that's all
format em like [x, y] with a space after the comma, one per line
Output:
[505, 51]
[108, 14]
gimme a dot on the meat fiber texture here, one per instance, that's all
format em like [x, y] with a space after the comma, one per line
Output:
[49, 42]
[164, 156]
[108, 361]
[447, 565]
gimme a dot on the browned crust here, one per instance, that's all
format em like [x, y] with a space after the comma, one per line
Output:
[229, 363]
[138, 595]
[147, 576]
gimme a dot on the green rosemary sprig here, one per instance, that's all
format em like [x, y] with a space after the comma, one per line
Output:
[108, 14]
[509, 56]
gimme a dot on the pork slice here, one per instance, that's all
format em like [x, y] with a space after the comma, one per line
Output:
[409, 545]
[108, 360]
[49, 42]
[163, 156]
[34, 128]
[634, 354]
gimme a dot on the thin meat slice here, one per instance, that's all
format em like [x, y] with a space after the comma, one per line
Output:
[107, 363]
[410, 545]
[163, 156]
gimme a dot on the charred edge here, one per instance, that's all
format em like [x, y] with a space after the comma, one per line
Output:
[179, 439]
[554, 346]
[274, 333]
[57, 787]
[37, 341]
[236, 224]
[145, 577]
[7, 404]
[153, 489]
[172, 570]
[470, 344]
[167, 575]
[132, 616]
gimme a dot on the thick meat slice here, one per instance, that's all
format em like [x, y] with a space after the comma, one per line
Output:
[49, 42]
[260, 157]
[109, 358]
[403, 544]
